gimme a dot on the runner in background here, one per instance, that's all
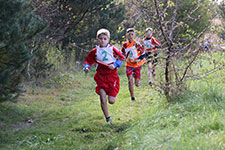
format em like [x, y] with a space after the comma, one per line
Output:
[151, 44]
[132, 50]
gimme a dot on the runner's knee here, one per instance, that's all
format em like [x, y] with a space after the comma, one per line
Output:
[137, 83]
[130, 79]
[112, 100]
[102, 96]
[150, 69]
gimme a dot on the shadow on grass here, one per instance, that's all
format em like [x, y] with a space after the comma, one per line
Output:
[102, 136]
[121, 127]
[119, 138]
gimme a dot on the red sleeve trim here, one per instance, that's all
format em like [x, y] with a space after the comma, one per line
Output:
[118, 53]
[156, 42]
[91, 57]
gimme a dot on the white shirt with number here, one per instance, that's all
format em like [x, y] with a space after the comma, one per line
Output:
[148, 44]
[105, 55]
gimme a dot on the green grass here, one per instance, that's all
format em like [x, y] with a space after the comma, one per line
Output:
[70, 117]
[195, 122]
[65, 118]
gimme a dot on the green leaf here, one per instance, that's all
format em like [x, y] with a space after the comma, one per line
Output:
[161, 5]
[171, 3]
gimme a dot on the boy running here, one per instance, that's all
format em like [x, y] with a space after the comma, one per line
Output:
[151, 44]
[132, 50]
[106, 77]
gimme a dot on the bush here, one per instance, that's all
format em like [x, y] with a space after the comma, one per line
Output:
[18, 26]
[61, 80]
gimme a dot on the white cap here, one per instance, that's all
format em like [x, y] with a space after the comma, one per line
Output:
[148, 29]
[130, 29]
[103, 31]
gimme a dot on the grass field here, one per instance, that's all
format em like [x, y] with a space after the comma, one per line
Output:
[68, 116]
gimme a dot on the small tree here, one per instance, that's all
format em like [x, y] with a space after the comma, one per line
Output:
[18, 26]
[178, 24]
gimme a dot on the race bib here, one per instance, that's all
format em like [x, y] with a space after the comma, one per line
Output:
[148, 44]
[132, 52]
[105, 55]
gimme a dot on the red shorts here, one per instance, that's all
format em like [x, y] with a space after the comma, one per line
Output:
[136, 71]
[109, 82]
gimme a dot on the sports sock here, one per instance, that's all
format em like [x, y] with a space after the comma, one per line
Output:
[108, 119]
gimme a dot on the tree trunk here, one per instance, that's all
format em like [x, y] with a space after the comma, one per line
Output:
[167, 77]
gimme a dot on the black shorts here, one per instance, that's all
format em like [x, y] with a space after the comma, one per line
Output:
[152, 57]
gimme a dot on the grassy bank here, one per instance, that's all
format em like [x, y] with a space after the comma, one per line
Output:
[66, 115]
[196, 121]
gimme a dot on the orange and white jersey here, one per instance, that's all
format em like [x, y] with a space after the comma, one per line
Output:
[132, 51]
[151, 43]
[105, 55]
